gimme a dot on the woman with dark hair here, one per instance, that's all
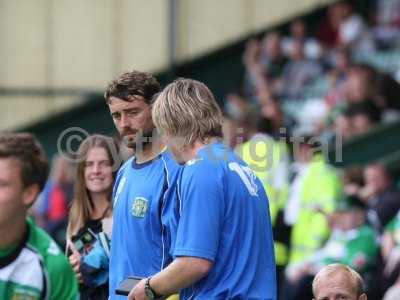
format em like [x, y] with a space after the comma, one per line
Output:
[90, 217]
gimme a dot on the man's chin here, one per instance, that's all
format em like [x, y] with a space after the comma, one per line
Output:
[129, 141]
[130, 145]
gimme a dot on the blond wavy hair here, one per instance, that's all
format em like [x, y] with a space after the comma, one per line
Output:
[186, 110]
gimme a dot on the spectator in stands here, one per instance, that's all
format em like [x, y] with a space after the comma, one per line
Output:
[353, 33]
[352, 242]
[352, 180]
[363, 117]
[360, 84]
[315, 189]
[359, 111]
[236, 106]
[56, 198]
[90, 217]
[253, 69]
[233, 134]
[298, 72]
[269, 159]
[391, 254]
[337, 77]
[272, 57]
[264, 63]
[366, 84]
[343, 127]
[388, 89]
[387, 30]
[377, 190]
[381, 195]
[32, 266]
[338, 128]
[282, 124]
[338, 281]
[327, 30]
[298, 32]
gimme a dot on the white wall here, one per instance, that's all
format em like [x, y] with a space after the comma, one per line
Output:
[83, 44]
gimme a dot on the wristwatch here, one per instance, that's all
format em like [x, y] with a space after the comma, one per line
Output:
[150, 293]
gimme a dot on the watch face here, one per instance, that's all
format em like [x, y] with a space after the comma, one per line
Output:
[149, 293]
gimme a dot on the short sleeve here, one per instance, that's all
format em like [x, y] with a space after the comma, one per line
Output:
[63, 284]
[202, 211]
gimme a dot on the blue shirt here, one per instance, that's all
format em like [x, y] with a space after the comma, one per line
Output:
[140, 240]
[224, 218]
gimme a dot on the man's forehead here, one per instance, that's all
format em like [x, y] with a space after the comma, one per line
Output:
[9, 165]
[120, 104]
[337, 283]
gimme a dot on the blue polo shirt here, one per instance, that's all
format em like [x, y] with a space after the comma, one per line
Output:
[224, 218]
[140, 240]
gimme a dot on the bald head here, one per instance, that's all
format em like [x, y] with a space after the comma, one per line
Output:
[338, 281]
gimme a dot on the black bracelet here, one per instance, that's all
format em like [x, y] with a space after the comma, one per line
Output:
[150, 293]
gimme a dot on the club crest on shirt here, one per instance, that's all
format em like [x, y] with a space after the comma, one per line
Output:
[140, 206]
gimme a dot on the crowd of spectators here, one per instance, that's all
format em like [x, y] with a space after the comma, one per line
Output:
[322, 214]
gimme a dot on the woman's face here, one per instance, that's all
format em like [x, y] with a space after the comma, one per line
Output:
[98, 171]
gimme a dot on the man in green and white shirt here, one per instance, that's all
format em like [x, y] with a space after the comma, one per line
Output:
[352, 242]
[31, 264]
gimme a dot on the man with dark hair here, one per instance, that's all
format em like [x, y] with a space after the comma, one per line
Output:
[31, 264]
[380, 194]
[144, 185]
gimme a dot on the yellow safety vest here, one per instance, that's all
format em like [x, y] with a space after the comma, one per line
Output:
[263, 154]
[321, 189]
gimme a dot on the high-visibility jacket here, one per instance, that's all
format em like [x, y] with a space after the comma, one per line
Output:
[270, 161]
[320, 190]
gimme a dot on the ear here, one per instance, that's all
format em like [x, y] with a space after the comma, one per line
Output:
[30, 193]
[363, 297]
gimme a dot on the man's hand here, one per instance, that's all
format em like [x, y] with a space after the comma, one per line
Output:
[138, 293]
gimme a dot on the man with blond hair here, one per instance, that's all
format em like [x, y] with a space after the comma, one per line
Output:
[337, 281]
[222, 243]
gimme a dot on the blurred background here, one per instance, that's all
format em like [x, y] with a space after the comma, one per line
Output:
[317, 80]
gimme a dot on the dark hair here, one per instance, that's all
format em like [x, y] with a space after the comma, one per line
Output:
[131, 84]
[367, 108]
[353, 174]
[25, 148]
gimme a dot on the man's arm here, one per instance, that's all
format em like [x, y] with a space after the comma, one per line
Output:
[63, 283]
[198, 233]
[181, 273]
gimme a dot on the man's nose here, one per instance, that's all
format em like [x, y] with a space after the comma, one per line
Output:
[124, 121]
